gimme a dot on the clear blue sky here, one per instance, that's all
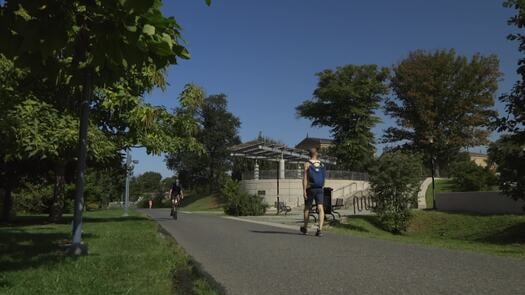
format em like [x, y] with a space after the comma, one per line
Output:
[264, 54]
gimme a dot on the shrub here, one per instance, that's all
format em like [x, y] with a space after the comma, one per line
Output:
[240, 203]
[395, 179]
[508, 153]
[469, 177]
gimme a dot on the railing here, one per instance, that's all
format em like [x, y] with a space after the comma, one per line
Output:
[363, 203]
[297, 174]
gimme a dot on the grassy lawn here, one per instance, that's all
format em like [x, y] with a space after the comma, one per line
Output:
[127, 255]
[497, 234]
[442, 185]
[200, 202]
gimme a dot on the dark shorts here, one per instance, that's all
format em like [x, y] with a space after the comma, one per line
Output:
[312, 194]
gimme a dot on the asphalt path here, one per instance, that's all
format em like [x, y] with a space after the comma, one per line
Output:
[248, 258]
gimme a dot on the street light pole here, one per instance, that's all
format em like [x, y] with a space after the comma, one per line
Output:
[432, 167]
[126, 192]
[433, 184]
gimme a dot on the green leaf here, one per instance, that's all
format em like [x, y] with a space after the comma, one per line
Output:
[131, 28]
[208, 2]
[148, 30]
[21, 12]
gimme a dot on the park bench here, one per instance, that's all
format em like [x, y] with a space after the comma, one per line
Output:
[339, 203]
[314, 213]
[281, 207]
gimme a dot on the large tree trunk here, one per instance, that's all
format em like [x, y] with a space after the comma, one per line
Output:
[7, 205]
[59, 193]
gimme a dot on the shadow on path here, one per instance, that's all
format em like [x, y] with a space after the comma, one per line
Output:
[275, 232]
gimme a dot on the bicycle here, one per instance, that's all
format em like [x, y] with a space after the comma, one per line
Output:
[174, 204]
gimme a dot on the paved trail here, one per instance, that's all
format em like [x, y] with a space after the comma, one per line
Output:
[248, 258]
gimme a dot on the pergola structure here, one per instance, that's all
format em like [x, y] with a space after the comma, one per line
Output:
[266, 151]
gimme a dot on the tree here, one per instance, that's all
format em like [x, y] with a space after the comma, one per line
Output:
[218, 131]
[509, 151]
[467, 176]
[395, 180]
[442, 102]
[88, 44]
[147, 183]
[345, 100]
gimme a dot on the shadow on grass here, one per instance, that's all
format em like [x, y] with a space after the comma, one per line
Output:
[353, 219]
[21, 221]
[514, 234]
[21, 249]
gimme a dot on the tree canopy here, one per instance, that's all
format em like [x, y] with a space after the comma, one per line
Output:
[442, 102]
[218, 130]
[346, 100]
[509, 151]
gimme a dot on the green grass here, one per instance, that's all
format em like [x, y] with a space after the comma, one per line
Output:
[127, 255]
[442, 185]
[201, 202]
[497, 234]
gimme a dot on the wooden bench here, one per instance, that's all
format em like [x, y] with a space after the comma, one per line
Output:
[281, 207]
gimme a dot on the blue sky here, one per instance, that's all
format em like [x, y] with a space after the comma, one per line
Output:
[264, 54]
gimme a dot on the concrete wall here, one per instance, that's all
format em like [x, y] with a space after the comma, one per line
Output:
[479, 202]
[291, 190]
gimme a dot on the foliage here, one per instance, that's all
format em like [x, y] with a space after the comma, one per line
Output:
[515, 101]
[103, 185]
[442, 102]
[81, 54]
[35, 197]
[345, 100]
[239, 203]
[218, 130]
[395, 179]
[148, 183]
[509, 156]
[467, 176]
[509, 151]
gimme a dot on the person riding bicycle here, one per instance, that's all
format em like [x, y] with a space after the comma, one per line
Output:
[176, 195]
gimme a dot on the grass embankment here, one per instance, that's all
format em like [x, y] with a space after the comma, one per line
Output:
[498, 234]
[127, 255]
[446, 185]
[202, 202]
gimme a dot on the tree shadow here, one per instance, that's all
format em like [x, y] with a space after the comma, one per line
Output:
[113, 219]
[353, 227]
[21, 249]
[21, 221]
[514, 234]
[275, 232]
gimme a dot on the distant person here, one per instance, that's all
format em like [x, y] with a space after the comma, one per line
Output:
[313, 189]
[176, 196]
[150, 203]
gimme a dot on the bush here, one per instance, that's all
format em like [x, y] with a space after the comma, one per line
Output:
[395, 180]
[240, 203]
[469, 177]
[508, 153]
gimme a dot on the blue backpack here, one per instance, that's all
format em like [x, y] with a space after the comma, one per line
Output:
[316, 175]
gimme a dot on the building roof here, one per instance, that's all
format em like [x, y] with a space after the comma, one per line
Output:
[261, 150]
[472, 154]
[315, 140]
